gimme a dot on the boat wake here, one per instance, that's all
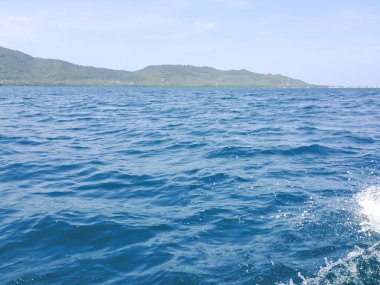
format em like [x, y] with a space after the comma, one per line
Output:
[362, 265]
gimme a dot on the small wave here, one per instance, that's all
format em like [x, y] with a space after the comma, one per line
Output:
[313, 149]
[360, 139]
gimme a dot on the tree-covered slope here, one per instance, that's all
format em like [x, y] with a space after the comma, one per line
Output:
[17, 68]
[187, 75]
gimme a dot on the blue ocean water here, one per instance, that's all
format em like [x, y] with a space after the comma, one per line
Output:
[189, 186]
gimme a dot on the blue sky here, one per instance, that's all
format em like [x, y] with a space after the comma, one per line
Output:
[326, 42]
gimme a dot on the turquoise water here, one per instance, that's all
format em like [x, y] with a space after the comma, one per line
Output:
[189, 186]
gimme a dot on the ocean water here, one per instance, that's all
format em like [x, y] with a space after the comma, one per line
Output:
[189, 186]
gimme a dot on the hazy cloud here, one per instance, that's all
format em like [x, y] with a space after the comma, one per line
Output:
[205, 25]
[236, 3]
[17, 27]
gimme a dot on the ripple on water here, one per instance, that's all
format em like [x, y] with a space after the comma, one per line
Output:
[189, 186]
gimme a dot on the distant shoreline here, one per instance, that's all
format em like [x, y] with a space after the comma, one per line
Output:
[188, 87]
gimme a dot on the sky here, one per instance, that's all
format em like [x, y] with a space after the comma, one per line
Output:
[335, 42]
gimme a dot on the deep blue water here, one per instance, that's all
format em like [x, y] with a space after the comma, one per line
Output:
[189, 186]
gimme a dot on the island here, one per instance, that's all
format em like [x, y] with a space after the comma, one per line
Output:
[17, 68]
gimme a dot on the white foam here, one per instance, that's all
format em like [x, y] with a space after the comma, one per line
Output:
[369, 208]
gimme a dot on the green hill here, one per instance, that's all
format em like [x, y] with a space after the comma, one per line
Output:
[17, 68]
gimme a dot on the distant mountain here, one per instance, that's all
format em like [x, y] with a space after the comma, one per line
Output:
[17, 68]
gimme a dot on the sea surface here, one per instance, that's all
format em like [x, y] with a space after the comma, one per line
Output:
[189, 186]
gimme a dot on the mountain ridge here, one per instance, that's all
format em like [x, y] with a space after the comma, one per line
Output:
[18, 68]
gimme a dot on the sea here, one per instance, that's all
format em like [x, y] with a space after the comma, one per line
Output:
[189, 186]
